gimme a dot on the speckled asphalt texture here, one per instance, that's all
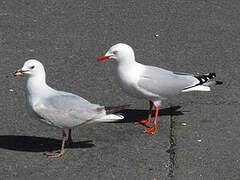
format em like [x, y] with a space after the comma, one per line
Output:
[198, 136]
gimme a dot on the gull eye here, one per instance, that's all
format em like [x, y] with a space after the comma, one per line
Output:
[114, 52]
[32, 67]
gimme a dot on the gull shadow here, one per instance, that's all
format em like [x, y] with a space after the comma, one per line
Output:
[37, 144]
[135, 115]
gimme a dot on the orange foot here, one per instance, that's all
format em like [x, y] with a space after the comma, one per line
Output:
[146, 122]
[152, 130]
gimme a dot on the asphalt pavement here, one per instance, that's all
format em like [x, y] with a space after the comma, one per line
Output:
[198, 136]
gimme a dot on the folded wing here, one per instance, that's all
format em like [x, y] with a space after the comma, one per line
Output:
[164, 83]
[68, 110]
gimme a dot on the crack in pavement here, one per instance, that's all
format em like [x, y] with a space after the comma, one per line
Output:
[171, 149]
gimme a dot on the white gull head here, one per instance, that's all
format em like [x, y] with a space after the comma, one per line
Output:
[120, 52]
[33, 67]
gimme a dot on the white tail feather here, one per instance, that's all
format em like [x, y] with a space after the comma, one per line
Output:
[110, 118]
[197, 88]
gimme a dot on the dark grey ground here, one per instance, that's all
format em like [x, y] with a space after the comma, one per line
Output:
[67, 36]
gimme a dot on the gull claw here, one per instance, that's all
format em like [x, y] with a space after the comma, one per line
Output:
[54, 154]
[151, 130]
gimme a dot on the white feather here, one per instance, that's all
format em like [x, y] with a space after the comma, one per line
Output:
[197, 88]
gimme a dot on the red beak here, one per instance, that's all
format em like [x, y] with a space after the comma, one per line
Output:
[103, 57]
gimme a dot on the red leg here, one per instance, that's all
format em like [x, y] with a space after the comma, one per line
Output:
[146, 122]
[153, 129]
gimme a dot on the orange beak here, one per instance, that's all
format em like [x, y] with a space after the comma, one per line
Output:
[103, 57]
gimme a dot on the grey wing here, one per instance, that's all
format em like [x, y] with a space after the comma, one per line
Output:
[79, 98]
[164, 83]
[68, 110]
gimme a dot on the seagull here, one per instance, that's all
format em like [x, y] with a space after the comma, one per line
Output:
[152, 83]
[58, 108]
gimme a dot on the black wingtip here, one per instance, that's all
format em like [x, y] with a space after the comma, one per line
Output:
[212, 75]
[205, 77]
[219, 82]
